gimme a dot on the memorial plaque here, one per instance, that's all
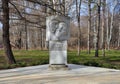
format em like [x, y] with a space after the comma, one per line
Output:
[57, 45]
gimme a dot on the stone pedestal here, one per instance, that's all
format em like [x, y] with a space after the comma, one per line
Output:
[58, 52]
[58, 67]
[57, 33]
[58, 55]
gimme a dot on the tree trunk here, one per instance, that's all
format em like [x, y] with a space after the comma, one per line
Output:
[119, 37]
[111, 29]
[98, 30]
[107, 30]
[78, 20]
[103, 29]
[95, 32]
[64, 7]
[26, 36]
[89, 25]
[54, 7]
[6, 40]
[41, 38]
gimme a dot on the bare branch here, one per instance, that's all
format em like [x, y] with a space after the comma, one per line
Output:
[21, 17]
[43, 4]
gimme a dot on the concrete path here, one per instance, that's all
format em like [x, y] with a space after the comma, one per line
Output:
[77, 74]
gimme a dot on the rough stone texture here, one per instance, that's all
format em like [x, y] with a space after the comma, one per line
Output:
[57, 28]
[58, 45]
[58, 67]
[77, 74]
[58, 52]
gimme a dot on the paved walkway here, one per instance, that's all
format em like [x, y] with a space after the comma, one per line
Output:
[77, 74]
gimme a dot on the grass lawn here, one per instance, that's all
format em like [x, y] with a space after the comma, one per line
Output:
[37, 57]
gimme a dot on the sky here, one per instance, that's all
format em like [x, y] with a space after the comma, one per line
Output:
[0, 25]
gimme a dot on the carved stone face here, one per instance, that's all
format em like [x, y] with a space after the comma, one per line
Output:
[57, 28]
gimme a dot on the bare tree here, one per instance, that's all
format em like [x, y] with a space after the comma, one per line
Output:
[6, 40]
[89, 24]
[78, 8]
[95, 31]
[103, 27]
[98, 29]
[110, 31]
[119, 36]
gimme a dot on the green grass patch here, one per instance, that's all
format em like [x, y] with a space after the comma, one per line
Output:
[36, 57]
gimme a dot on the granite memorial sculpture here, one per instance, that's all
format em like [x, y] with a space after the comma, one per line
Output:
[57, 33]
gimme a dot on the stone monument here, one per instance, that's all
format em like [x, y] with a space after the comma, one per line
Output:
[57, 34]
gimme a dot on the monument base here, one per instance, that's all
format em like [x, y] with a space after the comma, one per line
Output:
[58, 67]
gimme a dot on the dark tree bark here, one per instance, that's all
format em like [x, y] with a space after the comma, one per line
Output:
[103, 28]
[6, 40]
[26, 35]
[98, 30]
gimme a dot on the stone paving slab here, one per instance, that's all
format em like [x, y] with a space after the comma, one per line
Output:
[78, 74]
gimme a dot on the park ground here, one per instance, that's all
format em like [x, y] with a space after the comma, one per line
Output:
[77, 74]
[37, 57]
